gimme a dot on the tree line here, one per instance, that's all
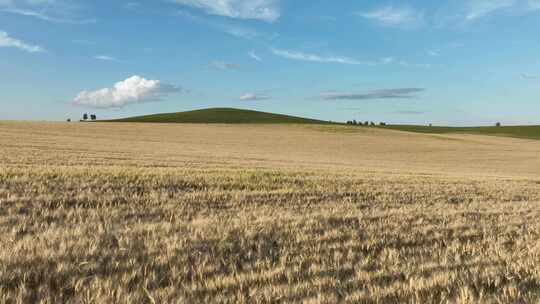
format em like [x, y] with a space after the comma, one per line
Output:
[366, 123]
[372, 124]
[85, 117]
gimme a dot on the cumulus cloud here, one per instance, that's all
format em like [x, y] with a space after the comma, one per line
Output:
[7, 41]
[394, 16]
[135, 89]
[401, 93]
[264, 10]
[253, 97]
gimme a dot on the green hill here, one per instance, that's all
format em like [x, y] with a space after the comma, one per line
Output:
[222, 115]
[529, 132]
[239, 116]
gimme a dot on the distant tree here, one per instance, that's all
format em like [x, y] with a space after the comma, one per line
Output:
[354, 122]
[382, 124]
[366, 123]
[431, 125]
[498, 124]
[93, 117]
[372, 124]
[85, 116]
[69, 120]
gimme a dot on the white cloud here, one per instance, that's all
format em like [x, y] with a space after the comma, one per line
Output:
[294, 55]
[254, 56]
[394, 16]
[529, 76]
[481, 8]
[48, 10]
[434, 53]
[449, 13]
[135, 89]
[253, 97]
[105, 58]
[230, 29]
[132, 5]
[7, 41]
[238, 31]
[264, 10]
[221, 65]
[533, 4]
[388, 60]
[407, 64]
[477, 9]
[83, 42]
[38, 15]
[401, 93]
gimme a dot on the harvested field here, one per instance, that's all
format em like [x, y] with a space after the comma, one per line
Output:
[128, 213]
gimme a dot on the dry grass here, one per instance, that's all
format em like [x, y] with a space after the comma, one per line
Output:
[93, 213]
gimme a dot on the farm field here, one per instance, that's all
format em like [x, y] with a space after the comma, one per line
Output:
[196, 213]
[530, 132]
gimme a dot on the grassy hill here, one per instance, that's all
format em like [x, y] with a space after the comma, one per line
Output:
[222, 115]
[239, 116]
[530, 132]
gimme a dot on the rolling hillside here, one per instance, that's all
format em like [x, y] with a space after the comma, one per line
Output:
[240, 116]
[222, 115]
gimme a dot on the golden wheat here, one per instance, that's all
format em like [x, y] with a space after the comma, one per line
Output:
[125, 213]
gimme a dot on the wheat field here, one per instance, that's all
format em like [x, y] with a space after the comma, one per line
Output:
[143, 213]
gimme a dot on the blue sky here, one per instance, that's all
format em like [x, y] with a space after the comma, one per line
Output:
[455, 62]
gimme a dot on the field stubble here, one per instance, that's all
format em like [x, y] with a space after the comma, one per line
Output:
[93, 213]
